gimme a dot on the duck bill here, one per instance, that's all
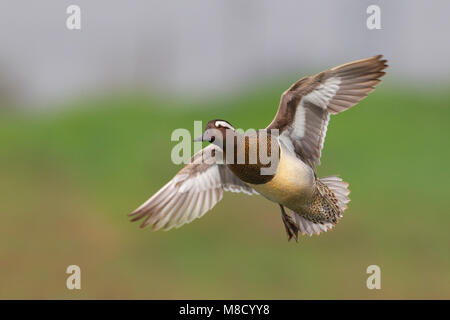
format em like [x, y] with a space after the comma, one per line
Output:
[198, 139]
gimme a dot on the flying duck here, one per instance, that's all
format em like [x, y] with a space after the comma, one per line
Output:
[309, 205]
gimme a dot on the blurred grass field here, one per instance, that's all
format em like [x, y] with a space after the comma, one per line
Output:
[69, 177]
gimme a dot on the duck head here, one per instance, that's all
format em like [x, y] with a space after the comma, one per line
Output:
[216, 132]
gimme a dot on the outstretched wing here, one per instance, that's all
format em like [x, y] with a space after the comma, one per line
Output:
[193, 191]
[305, 108]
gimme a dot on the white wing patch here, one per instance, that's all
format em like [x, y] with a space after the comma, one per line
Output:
[298, 125]
[324, 133]
[323, 94]
[320, 97]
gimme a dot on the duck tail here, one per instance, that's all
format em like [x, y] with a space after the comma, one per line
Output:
[339, 192]
[330, 202]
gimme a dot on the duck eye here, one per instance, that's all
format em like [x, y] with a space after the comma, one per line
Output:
[212, 139]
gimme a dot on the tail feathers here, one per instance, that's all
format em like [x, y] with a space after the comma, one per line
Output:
[338, 197]
[307, 227]
[340, 190]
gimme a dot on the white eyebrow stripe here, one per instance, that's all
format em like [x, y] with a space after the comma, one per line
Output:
[223, 124]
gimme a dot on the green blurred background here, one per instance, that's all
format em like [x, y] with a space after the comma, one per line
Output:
[69, 177]
[86, 118]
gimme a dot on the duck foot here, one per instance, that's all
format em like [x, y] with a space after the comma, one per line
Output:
[291, 227]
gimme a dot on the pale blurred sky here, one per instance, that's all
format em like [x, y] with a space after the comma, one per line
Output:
[204, 47]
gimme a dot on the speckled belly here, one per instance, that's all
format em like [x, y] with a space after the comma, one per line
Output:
[292, 185]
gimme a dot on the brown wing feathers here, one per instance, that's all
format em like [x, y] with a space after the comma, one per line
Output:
[304, 110]
[357, 80]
